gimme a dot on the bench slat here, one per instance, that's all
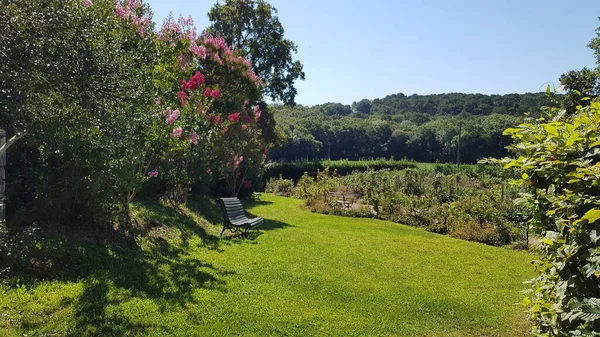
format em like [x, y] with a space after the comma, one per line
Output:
[236, 216]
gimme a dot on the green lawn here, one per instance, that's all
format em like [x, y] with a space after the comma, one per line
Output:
[305, 274]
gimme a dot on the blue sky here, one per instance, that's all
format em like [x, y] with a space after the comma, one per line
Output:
[369, 49]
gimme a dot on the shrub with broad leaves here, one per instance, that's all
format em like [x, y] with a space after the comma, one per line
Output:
[559, 159]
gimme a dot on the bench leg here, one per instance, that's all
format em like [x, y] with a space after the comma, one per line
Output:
[224, 228]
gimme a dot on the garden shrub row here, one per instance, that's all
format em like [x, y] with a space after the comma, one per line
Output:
[477, 209]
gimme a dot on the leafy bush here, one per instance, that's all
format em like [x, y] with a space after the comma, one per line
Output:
[559, 159]
[82, 104]
[454, 204]
[280, 186]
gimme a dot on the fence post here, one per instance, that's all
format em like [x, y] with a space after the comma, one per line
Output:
[2, 183]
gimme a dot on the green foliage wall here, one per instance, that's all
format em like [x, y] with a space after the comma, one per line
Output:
[78, 81]
[559, 157]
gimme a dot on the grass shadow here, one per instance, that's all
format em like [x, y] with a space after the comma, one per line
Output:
[150, 259]
[251, 203]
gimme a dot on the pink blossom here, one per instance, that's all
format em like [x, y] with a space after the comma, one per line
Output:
[157, 100]
[133, 4]
[182, 97]
[170, 31]
[234, 117]
[239, 160]
[217, 120]
[218, 42]
[191, 35]
[186, 21]
[121, 12]
[194, 138]
[257, 112]
[153, 174]
[247, 118]
[245, 127]
[86, 3]
[171, 116]
[216, 93]
[207, 92]
[199, 51]
[176, 133]
[194, 82]
[208, 170]
[217, 58]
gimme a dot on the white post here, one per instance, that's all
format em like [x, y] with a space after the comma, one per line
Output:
[2, 182]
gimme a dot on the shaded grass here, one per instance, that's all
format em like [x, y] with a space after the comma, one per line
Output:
[305, 274]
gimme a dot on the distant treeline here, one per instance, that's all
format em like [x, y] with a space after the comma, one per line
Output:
[423, 128]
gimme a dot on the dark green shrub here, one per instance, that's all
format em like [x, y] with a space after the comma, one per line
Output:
[82, 104]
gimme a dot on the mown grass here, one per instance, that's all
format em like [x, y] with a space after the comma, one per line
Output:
[305, 274]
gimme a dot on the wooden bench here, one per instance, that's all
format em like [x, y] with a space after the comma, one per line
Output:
[235, 216]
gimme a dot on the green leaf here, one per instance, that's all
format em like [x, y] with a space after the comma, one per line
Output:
[510, 131]
[548, 242]
[592, 215]
[550, 128]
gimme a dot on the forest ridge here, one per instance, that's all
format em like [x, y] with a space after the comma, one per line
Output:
[420, 127]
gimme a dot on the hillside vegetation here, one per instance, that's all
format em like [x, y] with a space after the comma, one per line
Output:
[419, 127]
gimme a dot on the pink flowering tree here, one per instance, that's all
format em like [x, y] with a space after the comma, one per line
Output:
[203, 109]
[110, 104]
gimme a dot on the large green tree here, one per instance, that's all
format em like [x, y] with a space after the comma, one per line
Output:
[254, 29]
[582, 83]
[77, 78]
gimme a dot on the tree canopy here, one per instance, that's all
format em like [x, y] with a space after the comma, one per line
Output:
[419, 127]
[584, 83]
[252, 27]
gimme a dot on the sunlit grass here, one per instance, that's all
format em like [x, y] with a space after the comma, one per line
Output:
[305, 274]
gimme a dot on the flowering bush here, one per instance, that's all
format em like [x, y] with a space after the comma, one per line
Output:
[109, 104]
[206, 91]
